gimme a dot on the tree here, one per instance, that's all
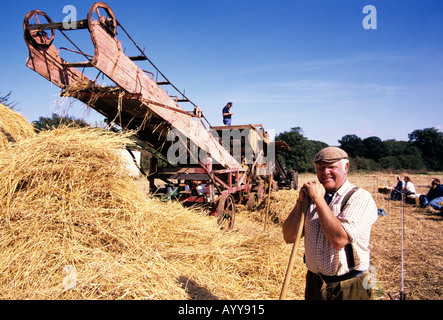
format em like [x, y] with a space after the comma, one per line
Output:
[45, 123]
[423, 151]
[302, 151]
[352, 144]
[373, 148]
[401, 155]
[390, 162]
[372, 154]
[364, 164]
[430, 142]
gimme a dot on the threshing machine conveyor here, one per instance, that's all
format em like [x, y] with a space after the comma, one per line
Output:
[138, 102]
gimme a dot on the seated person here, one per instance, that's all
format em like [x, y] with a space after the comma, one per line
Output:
[434, 195]
[409, 188]
[395, 194]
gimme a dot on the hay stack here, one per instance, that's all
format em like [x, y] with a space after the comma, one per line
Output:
[282, 203]
[65, 200]
[74, 225]
[13, 127]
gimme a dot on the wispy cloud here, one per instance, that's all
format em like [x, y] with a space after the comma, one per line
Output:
[324, 63]
[315, 91]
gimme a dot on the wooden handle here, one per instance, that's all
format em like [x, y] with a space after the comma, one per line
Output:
[284, 289]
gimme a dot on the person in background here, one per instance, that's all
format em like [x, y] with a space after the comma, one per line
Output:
[409, 187]
[434, 195]
[227, 114]
[396, 192]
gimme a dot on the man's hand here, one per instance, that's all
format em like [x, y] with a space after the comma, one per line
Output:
[330, 224]
[313, 190]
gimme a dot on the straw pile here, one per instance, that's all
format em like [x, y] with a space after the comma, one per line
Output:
[74, 225]
[282, 203]
[13, 127]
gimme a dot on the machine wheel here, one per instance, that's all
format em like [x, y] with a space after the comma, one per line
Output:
[39, 38]
[106, 17]
[226, 212]
[253, 202]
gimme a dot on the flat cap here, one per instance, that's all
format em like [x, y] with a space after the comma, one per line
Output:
[330, 154]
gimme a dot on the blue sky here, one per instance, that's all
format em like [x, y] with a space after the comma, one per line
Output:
[283, 63]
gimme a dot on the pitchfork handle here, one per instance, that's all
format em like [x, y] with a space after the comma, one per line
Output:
[284, 289]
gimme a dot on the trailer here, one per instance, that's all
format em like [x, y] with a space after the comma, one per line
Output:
[213, 166]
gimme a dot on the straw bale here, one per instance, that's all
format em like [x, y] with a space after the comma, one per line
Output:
[13, 127]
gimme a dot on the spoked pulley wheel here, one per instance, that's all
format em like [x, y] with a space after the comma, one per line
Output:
[37, 36]
[101, 12]
[226, 212]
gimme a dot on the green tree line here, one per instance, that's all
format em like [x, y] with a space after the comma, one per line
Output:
[423, 151]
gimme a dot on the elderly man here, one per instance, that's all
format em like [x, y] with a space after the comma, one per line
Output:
[337, 227]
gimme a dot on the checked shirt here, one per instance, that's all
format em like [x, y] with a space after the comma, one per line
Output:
[357, 218]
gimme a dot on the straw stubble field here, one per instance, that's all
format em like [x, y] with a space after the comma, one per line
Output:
[423, 233]
[74, 225]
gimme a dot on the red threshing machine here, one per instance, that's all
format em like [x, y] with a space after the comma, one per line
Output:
[216, 166]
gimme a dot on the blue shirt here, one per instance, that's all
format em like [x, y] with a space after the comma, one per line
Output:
[435, 193]
[226, 110]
